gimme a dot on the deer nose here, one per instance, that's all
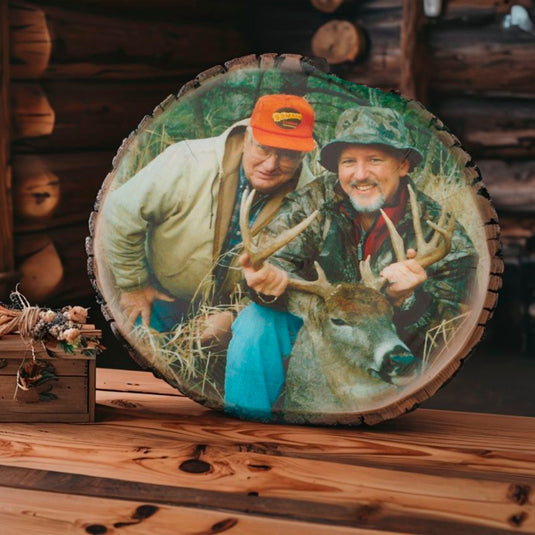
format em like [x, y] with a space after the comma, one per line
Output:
[398, 361]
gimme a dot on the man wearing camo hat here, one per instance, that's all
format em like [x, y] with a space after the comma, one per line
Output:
[372, 155]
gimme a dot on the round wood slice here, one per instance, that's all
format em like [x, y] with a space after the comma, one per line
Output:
[334, 374]
[338, 41]
[327, 6]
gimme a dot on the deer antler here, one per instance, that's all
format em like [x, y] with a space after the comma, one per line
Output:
[367, 276]
[427, 253]
[320, 286]
[256, 255]
[430, 252]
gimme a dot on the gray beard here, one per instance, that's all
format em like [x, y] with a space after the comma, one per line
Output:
[368, 208]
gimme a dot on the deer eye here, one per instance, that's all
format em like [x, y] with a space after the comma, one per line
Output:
[339, 321]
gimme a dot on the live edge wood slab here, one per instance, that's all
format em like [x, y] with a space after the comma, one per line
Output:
[156, 462]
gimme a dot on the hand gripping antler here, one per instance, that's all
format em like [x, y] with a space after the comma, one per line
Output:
[258, 256]
[427, 253]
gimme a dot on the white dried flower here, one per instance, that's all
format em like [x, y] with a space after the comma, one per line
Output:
[48, 315]
[55, 332]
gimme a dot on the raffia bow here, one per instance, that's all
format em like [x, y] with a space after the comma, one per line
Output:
[39, 324]
[21, 320]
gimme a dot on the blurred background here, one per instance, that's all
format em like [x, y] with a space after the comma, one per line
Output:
[77, 79]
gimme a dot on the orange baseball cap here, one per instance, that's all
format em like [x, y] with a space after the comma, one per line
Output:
[283, 122]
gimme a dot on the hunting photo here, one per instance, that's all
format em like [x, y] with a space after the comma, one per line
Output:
[286, 246]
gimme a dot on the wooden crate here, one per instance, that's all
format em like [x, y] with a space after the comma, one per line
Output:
[74, 388]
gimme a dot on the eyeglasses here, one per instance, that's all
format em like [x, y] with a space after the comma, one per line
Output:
[285, 157]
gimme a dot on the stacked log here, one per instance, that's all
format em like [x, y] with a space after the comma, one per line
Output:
[81, 114]
[48, 42]
[489, 127]
[413, 65]
[81, 78]
[468, 48]
[56, 190]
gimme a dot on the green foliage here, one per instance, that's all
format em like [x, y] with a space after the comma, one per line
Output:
[224, 100]
[68, 348]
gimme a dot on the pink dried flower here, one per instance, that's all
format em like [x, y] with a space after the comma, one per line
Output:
[76, 314]
[70, 335]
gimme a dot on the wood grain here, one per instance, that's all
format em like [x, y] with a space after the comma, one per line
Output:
[31, 111]
[71, 395]
[478, 60]
[62, 366]
[126, 381]
[489, 127]
[428, 472]
[50, 513]
[431, 446]
[87, 115]
[51, 42]
[430, 438]
[382, 497]
[338, 41]
[469, 50]
[52, 190]
[511, 184]
[72, 282]
[7, 258]
[413, 68]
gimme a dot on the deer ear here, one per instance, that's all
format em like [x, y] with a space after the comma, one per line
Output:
[306, 306]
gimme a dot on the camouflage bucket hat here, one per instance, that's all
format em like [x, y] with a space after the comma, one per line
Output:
[369, 125]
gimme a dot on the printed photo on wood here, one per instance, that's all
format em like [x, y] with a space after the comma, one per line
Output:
[285, 246]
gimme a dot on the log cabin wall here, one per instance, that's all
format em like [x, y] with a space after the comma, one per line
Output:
[78, 77]
[473, 65]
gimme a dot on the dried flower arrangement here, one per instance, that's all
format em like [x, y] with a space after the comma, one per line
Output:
[48, 328]
[35, 324]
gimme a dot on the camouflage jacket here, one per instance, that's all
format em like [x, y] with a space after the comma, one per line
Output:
[331, 241]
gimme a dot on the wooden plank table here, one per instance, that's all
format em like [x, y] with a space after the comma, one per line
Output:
[156, 462]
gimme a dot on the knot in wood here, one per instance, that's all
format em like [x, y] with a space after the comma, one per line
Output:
[195, 466]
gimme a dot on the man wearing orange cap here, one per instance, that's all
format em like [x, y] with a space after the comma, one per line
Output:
[169, 225]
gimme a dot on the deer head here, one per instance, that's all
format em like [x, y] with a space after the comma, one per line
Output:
[348, 353]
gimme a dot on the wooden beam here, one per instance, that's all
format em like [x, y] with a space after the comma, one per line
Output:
[489, 127]
[170, 10]
[31, 112]
[59, 189]
[510, 184]
[247, 466]
[468, 49]
[50, 43]
[413, 79]
[53, 265]
[68, 115]
[484, 59]
[7, 276]
[54, 512]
